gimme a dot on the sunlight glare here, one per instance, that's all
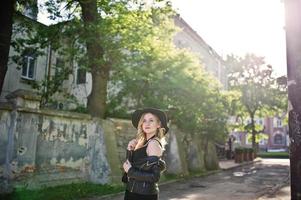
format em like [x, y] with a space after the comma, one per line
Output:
[239, 27]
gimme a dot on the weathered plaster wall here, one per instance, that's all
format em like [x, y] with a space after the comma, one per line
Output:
[4, 125]
[55, 147]
[110, 134]
[184, 154]
[211, 160]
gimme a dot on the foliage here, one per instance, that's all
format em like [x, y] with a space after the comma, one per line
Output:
[96, 35]
[64, 192]
[244, 150]
[80, 109]
[108, 30]
[261, 93]
[250, 150]
[34, 39]
[145, 67]
[239, 150]
[258, 137]
[273, 154]
[160, 75]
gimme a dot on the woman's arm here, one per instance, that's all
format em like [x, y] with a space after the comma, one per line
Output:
[154, 148]
[148, 170]
[150, 176]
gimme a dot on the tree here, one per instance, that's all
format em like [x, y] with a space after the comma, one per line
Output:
[261, 93]
[101, 29]
[7, 9]
[165, 77]
[133, 44]
[99, 68]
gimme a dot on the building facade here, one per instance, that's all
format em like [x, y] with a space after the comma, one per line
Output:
[79, 84]
[274, 138]
[209, 58]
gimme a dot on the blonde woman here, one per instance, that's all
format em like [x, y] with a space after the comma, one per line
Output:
[144, 164]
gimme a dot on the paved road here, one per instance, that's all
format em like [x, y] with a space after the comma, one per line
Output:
[250, 182]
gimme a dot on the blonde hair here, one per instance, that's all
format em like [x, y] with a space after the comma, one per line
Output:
[159, 134]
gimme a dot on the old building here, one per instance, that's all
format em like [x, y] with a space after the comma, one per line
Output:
[190, 39]
[79, 82]
[274, 138]
[47, 147]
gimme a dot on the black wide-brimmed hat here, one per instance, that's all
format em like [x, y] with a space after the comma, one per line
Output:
[160, 114]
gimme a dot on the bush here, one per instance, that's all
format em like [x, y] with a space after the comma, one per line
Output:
[250, 150]
[239, 150]
[273, 155]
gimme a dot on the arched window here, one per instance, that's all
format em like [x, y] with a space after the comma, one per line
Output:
[278, 139]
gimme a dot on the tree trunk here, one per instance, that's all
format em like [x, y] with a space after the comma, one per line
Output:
[293, 44]
[254, 146]
[6, 21]
[97, 98]
[100, 70]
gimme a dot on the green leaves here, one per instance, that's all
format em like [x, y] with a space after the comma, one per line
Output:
[254, 80]
[156, 74]
[135, 43]
[261, 93]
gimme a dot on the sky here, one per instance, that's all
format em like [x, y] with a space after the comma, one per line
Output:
[239, 27]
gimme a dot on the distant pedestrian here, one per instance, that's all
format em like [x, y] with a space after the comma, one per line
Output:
[144, 163]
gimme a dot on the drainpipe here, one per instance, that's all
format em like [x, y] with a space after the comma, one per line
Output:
[49, 63]
[293, 50]
[47, 73]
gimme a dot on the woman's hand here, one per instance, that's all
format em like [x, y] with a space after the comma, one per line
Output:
[132, 144]
[126, 166]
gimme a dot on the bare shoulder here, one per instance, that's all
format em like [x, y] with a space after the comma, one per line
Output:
[154, 148]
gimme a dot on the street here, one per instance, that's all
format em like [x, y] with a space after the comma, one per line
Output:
[254, 181]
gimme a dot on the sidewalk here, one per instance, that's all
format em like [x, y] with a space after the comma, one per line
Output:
[230, 164]
[278, 193]
[282, 194]
[224, 165]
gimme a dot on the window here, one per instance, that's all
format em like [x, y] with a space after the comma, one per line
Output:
[279, 123]
[263, 141]
[81, 76]
[28, 68]
[260, 121]
[278, 139]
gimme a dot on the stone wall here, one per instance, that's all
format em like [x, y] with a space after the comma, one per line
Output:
[52, 147]
[47, 147]
[183, 154]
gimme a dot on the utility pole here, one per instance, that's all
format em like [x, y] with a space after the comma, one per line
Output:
[293, 50]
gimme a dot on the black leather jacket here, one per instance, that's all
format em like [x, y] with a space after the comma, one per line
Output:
[144, 175]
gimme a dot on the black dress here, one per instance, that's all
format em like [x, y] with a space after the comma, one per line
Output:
[137, 155]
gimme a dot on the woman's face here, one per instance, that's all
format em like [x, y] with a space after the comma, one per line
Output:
[150, 123]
